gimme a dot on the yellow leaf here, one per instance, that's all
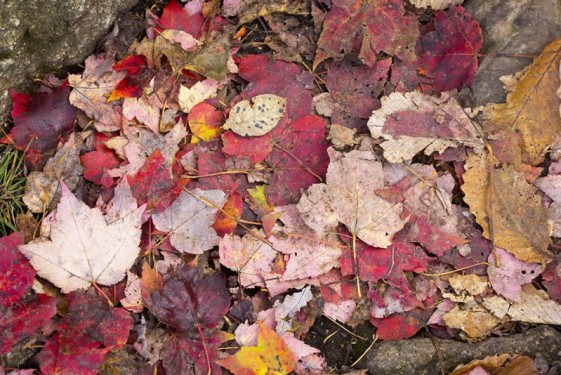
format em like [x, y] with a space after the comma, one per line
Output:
[271, 356]
[508, 209]
[532, 106]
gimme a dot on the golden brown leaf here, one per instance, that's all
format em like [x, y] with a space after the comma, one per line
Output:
[532, 106]
[508, 209]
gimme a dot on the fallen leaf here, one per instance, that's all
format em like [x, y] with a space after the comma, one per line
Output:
[198, 93]
[41, 119]
[91, 89]
[42, 188]
[534, 307]
[507, 274]
[24, 319]
[367, 29]
[83, 248]
[248, 10]
[448, 52]
[257, 116]
[474, 320]
[350, 195]
[189, 220]
[191, 300]
[154, 185]
[16, 274]
[137, 75]
[532, 106]
[176, 17]
[270, 356]
[435, 4]
[518, 222]
[249, 256]
[439, 123]
[287, 310]
[401, 326]
[97, 165]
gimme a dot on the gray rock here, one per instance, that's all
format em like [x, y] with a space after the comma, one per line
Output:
[514, 27]
[39, 36]
[419, 356]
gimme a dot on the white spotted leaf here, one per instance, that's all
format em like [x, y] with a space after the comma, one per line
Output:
[256, 117]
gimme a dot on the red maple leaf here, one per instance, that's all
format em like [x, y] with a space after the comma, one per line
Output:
[41, 119]
[175, 17]
[19, 317]
[299, 159]
[356, 89]
[447, 53]
[138, 74]
[401, 326]
[16, 274]
[153, 184]
[367, 28]
[191, 301]
[86, 334]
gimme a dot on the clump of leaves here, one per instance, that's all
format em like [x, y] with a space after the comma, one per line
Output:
[12, 184]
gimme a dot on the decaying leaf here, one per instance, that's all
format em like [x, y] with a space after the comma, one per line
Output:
[92, 89]
[474, 320]
[534, 307]
[42, 188]
[367, 28]
[413, 122]
[255, 117]
[199, 92]
[248, 10]
[84, 248]
[349, 197]
[189, 220]
[498, 364]
[508, 209]
[532, 106]
[435, 4]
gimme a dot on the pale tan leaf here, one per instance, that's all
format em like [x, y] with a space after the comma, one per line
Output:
[435, 4]
[83, 247]
[474, 320]
[42, 188]
[534, 307]
[349, 197]
[413, 122]
[90, 92]
[189, 220]
[255, 117]
[199, 92]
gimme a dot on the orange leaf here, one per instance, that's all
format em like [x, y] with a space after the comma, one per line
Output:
[271, 356]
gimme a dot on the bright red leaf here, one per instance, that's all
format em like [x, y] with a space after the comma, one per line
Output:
[24, 319]
[175, 17]
[367, 28]
[154, 185]
[401, 326]
[138, 74]
[448, 53]
[16, 274]
[97, 164]
[89, 330]
[41, 119]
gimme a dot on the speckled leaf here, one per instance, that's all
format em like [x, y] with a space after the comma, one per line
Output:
[255, 117]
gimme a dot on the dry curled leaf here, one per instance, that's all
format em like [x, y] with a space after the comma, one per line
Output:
[84, 248]
[435, 4]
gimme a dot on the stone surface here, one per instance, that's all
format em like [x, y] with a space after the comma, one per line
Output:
[514, 27]
[419, 356]
[38, 36]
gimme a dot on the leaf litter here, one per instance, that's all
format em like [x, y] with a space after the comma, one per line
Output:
[205, 176]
